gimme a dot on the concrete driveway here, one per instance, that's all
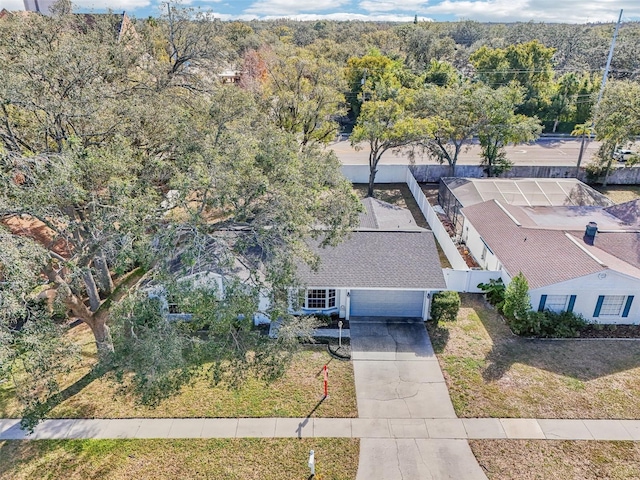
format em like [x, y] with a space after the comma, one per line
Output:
[397, 376]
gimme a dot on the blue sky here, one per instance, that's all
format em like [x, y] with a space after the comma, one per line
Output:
[575, 11]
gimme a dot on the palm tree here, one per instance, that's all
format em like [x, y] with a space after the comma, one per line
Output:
[582, 129]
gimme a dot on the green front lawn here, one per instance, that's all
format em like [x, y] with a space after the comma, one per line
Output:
[492, 373]
[294, 395]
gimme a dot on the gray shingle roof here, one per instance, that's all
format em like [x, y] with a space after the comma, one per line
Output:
[368, 217]
[376, 259]
[545, 257]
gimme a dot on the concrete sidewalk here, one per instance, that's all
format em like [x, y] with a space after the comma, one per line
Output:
[380, 428]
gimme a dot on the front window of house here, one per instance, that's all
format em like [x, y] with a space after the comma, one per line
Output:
[612, 305]
[556, 303]
[320, 298]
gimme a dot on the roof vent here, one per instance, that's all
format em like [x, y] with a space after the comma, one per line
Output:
[590, 233]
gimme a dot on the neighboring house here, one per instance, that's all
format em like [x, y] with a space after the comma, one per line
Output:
[580, 258]
[387, 267]
[230, 76]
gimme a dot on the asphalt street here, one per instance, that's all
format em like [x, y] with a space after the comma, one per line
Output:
[545, 151]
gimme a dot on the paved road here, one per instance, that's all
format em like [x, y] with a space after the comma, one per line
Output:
[544, 152]
[399, 381]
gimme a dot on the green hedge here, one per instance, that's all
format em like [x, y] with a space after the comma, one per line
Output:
[445, 306]
[548, 324]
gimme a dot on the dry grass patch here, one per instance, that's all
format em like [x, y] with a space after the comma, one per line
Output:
[620, 193]
[492, 373]
[561, 460]
[264, 459]
[294, 395]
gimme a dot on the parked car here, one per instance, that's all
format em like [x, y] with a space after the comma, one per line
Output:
[622, 154]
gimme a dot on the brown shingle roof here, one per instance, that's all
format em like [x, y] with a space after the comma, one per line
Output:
[545, 257]
[622, 245]
[628, 212]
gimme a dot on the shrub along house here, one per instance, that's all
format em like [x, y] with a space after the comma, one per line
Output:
[584, 259]
[387, 267]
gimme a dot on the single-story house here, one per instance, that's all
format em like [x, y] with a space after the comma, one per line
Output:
[580, 258]
[215, 269]
[387, 267]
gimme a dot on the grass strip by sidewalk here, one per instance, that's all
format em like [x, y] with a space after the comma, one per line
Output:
[557, 460]
[229, 459]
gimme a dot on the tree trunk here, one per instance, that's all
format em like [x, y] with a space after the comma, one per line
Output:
[372, 181]
[373, 169]
[102, 334]
[606, 172]
[79, 310]
[92, 289]
[454, 161]
[106, 283]
[555, 125]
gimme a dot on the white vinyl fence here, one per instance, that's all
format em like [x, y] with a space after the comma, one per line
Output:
[468, 280]
[441, 234]
[460, 278]
[386, 173]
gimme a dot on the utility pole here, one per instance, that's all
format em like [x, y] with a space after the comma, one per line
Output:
[602, 85]
[606, 69]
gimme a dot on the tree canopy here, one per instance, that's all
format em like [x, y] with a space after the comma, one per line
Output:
[126, 162]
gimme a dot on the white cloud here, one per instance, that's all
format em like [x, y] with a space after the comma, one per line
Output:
[12, 5]
[112, 4]
[116, 5]
[391, 17]
[573, 11]
[307, 17]
[391, 6]
[293, 7]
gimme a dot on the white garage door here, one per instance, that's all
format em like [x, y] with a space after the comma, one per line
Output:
[386, 303]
